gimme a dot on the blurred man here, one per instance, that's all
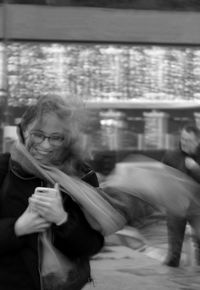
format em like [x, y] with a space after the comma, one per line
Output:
[186, 159]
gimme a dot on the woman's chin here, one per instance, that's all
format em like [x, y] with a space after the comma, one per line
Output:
[45, 160]
[42, 160]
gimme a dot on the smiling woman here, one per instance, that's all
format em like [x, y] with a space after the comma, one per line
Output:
[52, 133]
[36, 202]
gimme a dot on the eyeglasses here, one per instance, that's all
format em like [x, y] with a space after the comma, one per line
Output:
[54, 139]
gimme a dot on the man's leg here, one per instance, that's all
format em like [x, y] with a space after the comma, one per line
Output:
[195, 224]
[176, 230]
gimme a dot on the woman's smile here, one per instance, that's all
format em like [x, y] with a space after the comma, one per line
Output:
[41, 154]
[41, 148]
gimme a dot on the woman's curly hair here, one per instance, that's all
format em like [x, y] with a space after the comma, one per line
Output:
[73, 118]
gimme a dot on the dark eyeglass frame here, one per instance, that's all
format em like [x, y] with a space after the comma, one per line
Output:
[54, 140]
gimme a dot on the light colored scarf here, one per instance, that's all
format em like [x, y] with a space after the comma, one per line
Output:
[97, 209]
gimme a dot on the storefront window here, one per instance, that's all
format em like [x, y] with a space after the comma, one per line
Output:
[138, 96]
[101, 72]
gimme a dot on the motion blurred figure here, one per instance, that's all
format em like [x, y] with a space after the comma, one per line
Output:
[185, 158]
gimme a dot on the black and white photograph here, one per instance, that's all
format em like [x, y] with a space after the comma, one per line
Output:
[99, 144]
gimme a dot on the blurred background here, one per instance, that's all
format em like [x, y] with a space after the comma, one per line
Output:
[135, 64]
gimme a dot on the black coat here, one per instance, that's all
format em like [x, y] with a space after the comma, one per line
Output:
[19, 260]
[176, 159]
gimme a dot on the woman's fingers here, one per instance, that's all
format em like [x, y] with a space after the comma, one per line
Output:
[30, 222]
[40, 202]
[42, 196]
[42, 224]
[43, 208]
[48, 204]
[56, 187]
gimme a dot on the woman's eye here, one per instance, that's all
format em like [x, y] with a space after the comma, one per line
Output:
[39, 135]
[56, 138]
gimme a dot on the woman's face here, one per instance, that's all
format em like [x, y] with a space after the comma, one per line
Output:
[45, 140]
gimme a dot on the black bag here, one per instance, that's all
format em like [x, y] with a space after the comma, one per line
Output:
[78, 277]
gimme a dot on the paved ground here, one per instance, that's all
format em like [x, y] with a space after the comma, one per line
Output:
[121, 267]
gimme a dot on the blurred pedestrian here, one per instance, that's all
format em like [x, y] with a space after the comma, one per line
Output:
[185, 158]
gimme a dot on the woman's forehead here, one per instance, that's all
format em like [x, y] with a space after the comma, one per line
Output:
[48, 123]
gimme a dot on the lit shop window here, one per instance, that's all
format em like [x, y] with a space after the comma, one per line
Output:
[102, 72]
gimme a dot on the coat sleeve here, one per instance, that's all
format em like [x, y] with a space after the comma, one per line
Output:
[76, 238]
[8, 240]
[168, 158]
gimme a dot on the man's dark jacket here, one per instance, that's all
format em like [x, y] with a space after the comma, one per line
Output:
[176, 225]
[176, 159]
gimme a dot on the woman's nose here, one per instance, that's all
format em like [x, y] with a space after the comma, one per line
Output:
[45, 143]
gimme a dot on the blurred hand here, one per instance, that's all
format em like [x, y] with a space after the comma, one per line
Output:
[47, 202]
[190, 163]
[30, 222]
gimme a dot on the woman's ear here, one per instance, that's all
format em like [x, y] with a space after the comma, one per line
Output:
[20, 134]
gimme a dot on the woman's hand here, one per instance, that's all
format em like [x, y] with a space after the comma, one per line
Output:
[30, 222]
[47, 202]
